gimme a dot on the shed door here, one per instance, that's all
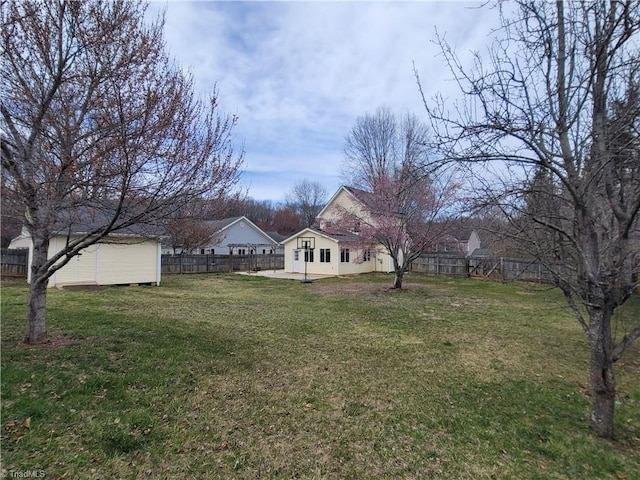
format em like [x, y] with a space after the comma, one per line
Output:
[296, 261]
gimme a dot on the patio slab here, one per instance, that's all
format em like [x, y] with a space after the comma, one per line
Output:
[285, 275]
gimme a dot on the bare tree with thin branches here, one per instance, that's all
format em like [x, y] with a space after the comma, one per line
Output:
[307, 197]
[101, 132]
[558, 96]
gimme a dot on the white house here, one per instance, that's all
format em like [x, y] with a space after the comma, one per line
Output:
[238, 236]
[459, 240]
[117, 259]
[323, 251]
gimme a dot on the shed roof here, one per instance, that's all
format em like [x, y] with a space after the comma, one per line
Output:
[95, 219]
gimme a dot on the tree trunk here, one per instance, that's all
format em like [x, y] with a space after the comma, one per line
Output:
[37, 313]
[397, 282]
[603, 382]
[37, 298]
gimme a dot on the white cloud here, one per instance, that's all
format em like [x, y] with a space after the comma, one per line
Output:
[298, 74]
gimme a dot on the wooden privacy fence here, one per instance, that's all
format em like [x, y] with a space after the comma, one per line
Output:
[13, 263]
[500, 268]
[185, 263]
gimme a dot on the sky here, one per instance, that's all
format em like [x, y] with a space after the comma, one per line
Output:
[299, 74]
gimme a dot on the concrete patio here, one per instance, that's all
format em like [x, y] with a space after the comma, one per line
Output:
[284, 275]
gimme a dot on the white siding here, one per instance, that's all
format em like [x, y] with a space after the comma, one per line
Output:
[130, 262]
[474, 243]
[343, 202]
[81, 269]
[335, 266]
[119, 261]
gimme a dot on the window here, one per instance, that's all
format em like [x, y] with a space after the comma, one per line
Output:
[202, 251]
[213, 251]
[344, 255]
[308, 255]
[325, 255]
[366, 255]
[296, 255]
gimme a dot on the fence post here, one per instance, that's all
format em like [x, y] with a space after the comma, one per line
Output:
[539, 272]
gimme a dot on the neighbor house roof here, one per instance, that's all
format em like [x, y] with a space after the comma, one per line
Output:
[461, 234]
[225, 223]
[276, 237]
[217, 225]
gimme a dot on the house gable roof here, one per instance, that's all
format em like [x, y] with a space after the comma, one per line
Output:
[222, 224]
[276, 237]
[226, 223]
[463, 234]
[359, 195]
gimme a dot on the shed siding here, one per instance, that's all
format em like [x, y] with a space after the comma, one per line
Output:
[121, 261]
[130, 262]
[20, 242]
[80, 269]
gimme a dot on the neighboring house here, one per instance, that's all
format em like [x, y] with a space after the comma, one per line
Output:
[278, 238]
[334, 253]
[237, 236]
[118, 259]
[459, 240]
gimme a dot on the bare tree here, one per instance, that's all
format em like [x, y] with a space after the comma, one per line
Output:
[371, 149]
[101, 131]
[259, 212]
[407, 208]
[559, 95]
[187, 228]
[307, 197]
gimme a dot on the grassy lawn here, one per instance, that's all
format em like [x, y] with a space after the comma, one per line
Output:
[245, 377]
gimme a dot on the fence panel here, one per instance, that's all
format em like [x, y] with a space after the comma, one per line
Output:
[186, 263]
[13, 263]
[441, 265]
[500, 268]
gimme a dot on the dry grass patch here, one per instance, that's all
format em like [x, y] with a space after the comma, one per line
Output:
[240, 377]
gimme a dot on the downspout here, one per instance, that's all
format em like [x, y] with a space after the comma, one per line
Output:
[30, 259]
[97, 264]
[158, 262]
